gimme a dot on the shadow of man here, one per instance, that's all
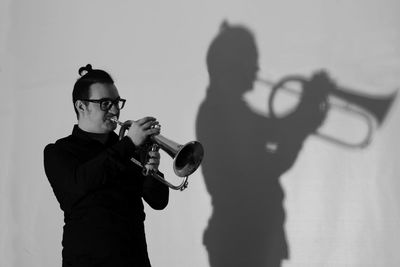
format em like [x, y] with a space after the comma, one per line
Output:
[246, 154]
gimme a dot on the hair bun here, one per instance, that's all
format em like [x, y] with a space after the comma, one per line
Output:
[224, 25]
[83, 70]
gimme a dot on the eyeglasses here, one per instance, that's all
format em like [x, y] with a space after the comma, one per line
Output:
[107, 103]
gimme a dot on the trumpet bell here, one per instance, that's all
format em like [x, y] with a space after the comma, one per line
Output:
[188, 158]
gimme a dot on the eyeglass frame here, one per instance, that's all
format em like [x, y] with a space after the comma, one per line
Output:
[102, 100]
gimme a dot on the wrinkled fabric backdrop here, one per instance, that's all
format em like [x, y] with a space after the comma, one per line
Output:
[340, 204]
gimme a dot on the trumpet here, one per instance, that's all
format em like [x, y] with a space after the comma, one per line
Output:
[376, 107]
[186, 158]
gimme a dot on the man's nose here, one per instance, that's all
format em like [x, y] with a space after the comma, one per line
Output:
[114, 108]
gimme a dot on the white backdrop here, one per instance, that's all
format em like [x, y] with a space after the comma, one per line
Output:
[341, 205]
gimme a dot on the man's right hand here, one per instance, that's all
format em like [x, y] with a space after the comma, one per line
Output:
[141, 129]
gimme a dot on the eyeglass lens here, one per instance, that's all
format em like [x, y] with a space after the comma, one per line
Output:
[107, 104]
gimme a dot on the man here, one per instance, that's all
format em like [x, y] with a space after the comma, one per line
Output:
[99, 188]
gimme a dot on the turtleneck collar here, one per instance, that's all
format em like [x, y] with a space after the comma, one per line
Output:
[100, 137]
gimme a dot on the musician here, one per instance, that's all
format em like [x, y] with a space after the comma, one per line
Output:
[99, 189]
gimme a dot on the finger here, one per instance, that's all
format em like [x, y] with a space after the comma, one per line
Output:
[152, 131]
[150, 169]
[151, 124]
[153, 166]
[154, 154]
[153, 161]
[156, 124]
[145, 120]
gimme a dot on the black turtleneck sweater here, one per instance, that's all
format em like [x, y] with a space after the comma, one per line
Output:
[100, 191]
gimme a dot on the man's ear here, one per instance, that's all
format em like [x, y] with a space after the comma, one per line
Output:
[80, 106]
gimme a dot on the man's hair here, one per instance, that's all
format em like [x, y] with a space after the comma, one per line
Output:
[88, 77]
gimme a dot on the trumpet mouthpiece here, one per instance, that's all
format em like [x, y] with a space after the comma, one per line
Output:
[114, 119]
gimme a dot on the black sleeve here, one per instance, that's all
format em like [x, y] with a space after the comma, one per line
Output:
[155, 193]
[71, 179]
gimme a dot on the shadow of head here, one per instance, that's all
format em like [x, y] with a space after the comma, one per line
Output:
[233, 56]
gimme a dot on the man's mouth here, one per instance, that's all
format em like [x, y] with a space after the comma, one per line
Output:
[113, 119]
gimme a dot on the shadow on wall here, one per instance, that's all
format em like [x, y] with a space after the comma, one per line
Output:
[246, 154]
